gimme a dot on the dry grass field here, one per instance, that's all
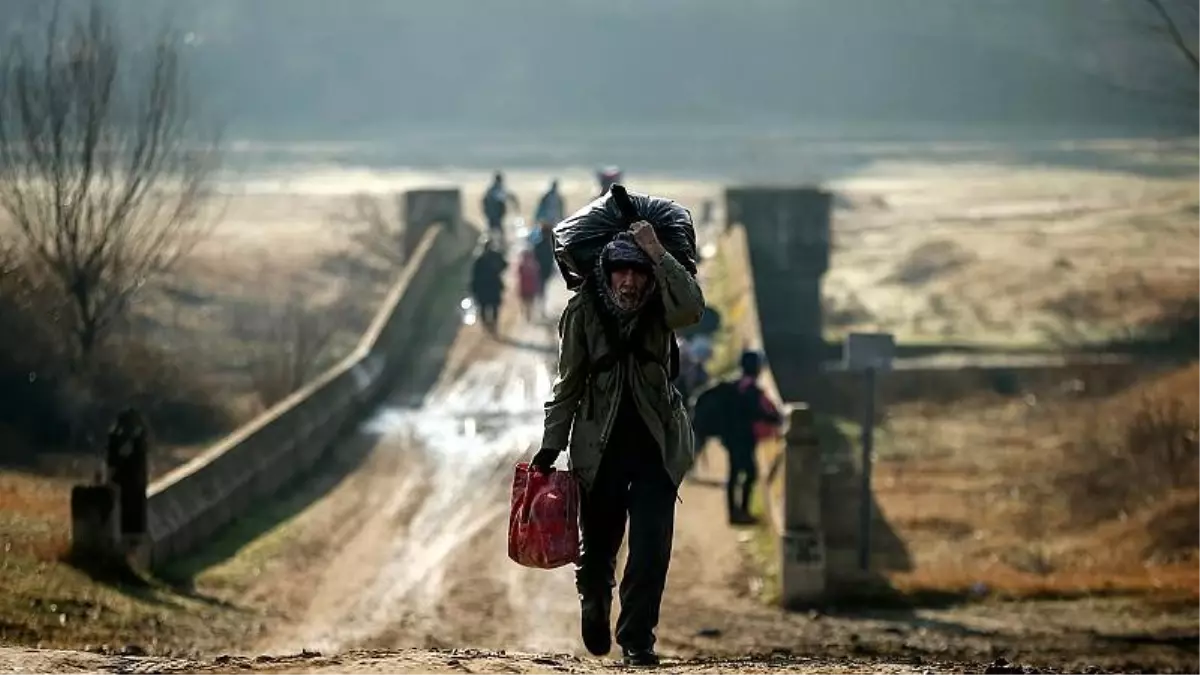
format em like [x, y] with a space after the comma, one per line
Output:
[1049, 494]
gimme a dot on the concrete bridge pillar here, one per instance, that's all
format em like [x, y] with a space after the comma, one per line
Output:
[802, 543]
[96, 525]
[423, 208]
[788, 236]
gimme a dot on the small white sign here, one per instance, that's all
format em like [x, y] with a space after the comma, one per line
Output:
[866, 351]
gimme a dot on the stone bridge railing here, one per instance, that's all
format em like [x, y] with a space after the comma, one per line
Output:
[186, 507]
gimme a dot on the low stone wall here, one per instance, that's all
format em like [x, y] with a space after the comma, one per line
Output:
[952, 379]
[743, 321]
[187, 506]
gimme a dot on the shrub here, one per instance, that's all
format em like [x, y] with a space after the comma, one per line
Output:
[55, 405]
[1135, 450]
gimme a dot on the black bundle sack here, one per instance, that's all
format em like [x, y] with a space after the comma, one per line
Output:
[580, 238]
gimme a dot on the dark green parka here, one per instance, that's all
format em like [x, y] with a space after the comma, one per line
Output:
[581, 412]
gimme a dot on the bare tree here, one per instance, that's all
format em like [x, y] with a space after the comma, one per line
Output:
[1174, 20]
[101, 169]
[378, 236]
[291, 341]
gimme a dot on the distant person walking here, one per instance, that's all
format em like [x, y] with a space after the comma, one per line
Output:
[739, 413]
[706, 212]
[550, 211]
[551, 208]
[529, 282]
[542, 240]
[607, 177]
[487, 282]
[495, 205]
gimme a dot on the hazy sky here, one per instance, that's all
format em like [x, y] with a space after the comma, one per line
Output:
[384, 69]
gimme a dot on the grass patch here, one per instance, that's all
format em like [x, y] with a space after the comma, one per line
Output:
[50, 604]
[726, 284]
[763, 551]
[1058, 496]
[727, 288]
[1168, 583]
[35, 516]
[237, 555]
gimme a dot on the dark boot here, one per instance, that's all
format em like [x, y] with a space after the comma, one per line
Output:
[740, 517]
[742, 475]
[731, 490]
[639, 658]
[595, 623]
[750, 479]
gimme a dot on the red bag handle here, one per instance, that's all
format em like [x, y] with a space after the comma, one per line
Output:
[531, 474]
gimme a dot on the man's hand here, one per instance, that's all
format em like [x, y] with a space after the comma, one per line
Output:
[543, 460]
[647, 239]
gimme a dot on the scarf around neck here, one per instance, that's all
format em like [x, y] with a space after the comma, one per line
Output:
[626, 319]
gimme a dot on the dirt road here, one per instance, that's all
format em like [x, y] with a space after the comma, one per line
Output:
[418, 554]
[427, 567]
[437, 661]
[401, 567]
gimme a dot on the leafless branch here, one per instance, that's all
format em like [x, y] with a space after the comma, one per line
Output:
[378, 236]
[1176, 34]
[99, 169]
[289, 343]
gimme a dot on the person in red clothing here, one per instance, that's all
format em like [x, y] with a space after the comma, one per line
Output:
[529, 282]
[755, 418]
[740, 414]
[607, 177]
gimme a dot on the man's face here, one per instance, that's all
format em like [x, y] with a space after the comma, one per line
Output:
[629, 286]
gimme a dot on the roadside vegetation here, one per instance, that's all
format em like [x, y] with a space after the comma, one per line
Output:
[1080, 489]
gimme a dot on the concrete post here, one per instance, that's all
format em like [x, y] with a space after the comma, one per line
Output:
[96, 524]
[788, 238]
[803, 543]
[108, 520]
[423, 208]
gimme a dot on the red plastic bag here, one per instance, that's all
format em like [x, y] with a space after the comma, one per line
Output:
[543, 524]
[765, 431]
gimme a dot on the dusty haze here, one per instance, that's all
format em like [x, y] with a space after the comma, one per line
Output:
[667, 81]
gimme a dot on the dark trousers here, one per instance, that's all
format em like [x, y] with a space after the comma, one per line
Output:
[631, 483]
[489, 313]
[743, 474]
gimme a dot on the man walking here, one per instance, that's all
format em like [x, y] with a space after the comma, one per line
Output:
[529, 282]
[550, 208]
[487, 282]
[495, 205]
[627, 429]
[744, 415]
